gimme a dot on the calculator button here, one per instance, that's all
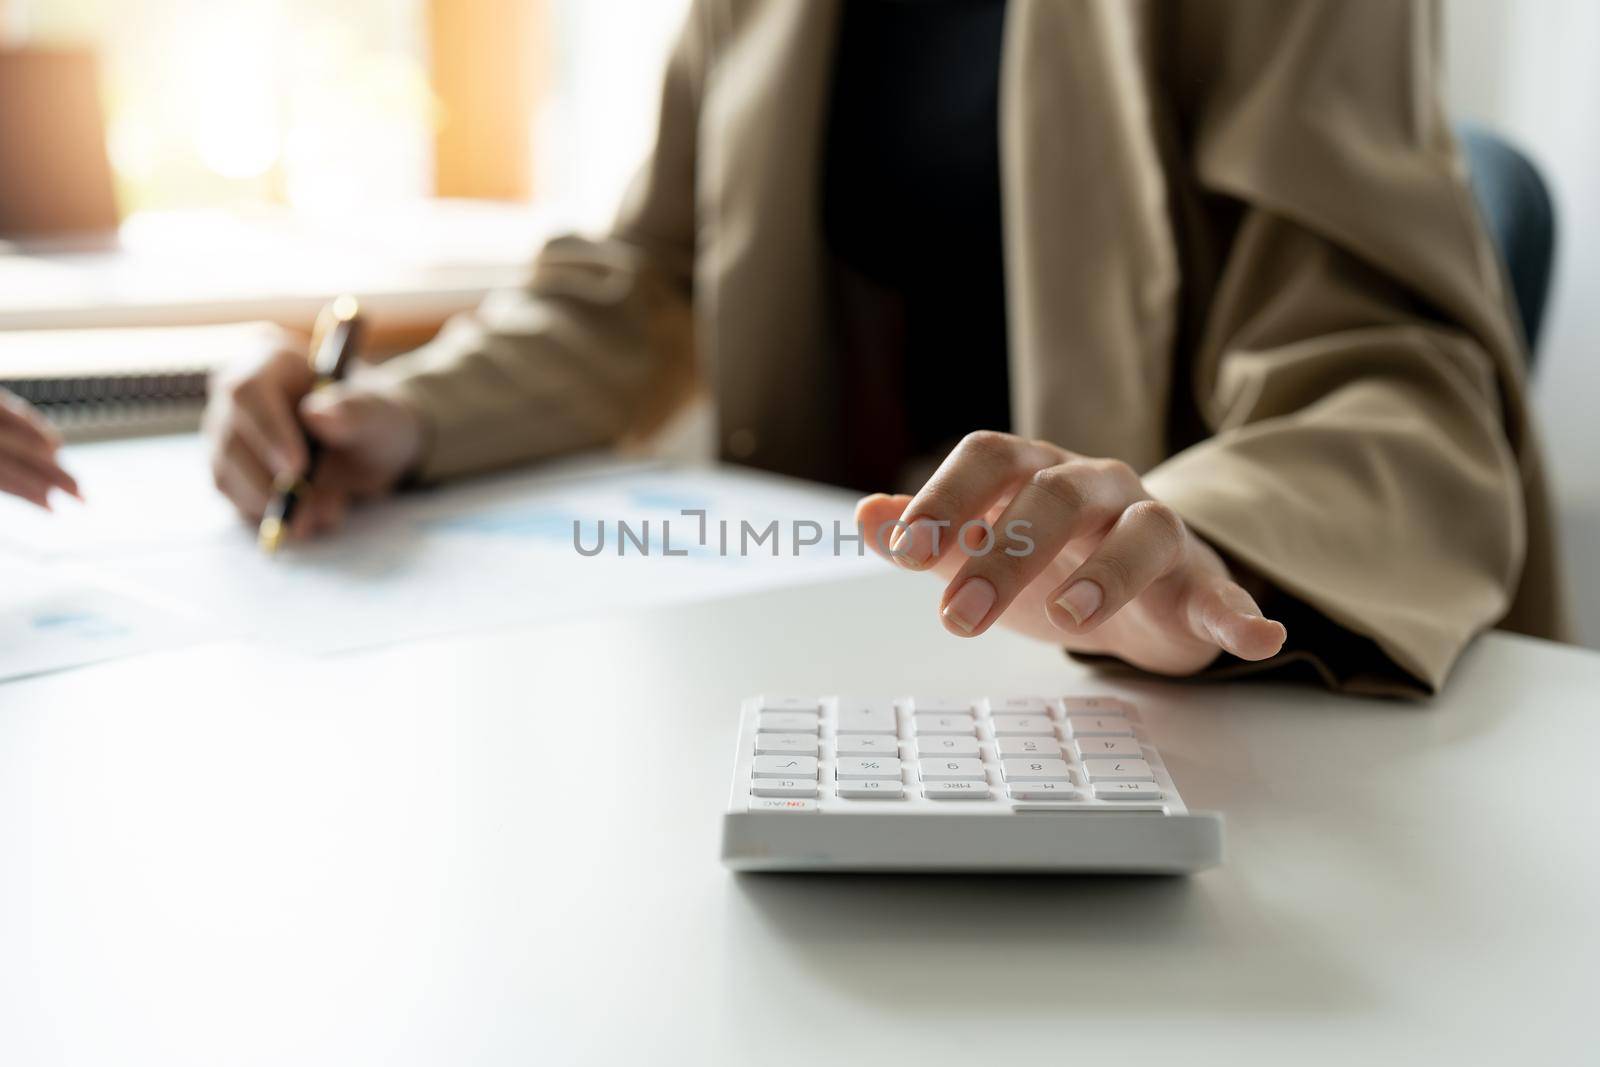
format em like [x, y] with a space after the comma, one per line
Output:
[951, 770]
[782, 804]
[1034, 770]
[784, 767]
[944, 706]
[809, 705]
[867, 745]
[1020, 705]
[955, 790]
[1022, 726]
[1118, 770]
[785, 745]
[1127, 791]
[1042, 791]
[933, 724]
[1107, 748]
[863, 717]
[1099, 726]
[787, 722]
[784, 787]
[947, 746]
[867, 767]
[1019, 747]
[871, 789]
[1095, 705]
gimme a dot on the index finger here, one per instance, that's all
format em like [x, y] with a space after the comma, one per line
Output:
[38, 456]
[984, 467]
[23, 422]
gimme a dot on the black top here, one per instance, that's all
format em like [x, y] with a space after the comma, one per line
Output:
[911, 213]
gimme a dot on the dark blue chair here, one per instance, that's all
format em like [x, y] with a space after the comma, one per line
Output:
[1521, 219]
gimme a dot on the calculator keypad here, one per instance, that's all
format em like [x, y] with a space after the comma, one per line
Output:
[1032, 753]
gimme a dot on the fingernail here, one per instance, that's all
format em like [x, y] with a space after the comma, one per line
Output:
[1081, 600]
[970, 604]
[912, 545]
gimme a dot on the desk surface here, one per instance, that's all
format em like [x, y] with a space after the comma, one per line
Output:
[501, 849]
[413, 266]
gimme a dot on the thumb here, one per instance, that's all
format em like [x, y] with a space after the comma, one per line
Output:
[875, 515]
[333, 415]
[1219, 610]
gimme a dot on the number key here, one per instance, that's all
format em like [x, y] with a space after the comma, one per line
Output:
[1118, 770]
[947, 746]
[1022, 726]
[1107, 748]
[1099, 726]
[948, 725]
[1034, 770]
[951, 770]
[1020, 747]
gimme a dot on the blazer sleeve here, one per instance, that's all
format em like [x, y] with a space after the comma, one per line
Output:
[1356, 366]
[599, 341]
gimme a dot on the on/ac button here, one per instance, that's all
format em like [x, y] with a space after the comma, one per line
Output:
[781, 804]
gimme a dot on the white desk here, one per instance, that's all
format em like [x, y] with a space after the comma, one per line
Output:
[503, 850]
[413, 266]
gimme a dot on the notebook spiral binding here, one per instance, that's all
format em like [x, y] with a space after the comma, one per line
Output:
[117, 404]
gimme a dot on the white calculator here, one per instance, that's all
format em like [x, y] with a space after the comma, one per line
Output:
[831, 783]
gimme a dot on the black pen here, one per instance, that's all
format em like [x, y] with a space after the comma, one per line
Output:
[334, 339]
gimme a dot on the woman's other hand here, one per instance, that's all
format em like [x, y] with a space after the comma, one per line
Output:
[1081, 555]
[28, 447]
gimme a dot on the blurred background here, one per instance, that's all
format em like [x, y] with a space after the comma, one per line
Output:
[257, 155]
[329, 106]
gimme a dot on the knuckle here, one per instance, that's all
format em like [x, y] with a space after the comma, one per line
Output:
[1114, 573]
[1006, 571]
[1014, 572]
[1158, 520]
[1065, 482]
[1117, 471]
[987, 443]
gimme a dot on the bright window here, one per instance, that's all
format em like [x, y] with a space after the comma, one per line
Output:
[326, 104]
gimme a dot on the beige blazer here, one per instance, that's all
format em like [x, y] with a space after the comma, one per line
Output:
[1241, 255]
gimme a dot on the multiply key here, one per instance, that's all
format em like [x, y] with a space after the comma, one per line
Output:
[866, 745]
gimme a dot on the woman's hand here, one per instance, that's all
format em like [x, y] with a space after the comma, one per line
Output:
[1081, 555]
[28, 446]
[257, 419]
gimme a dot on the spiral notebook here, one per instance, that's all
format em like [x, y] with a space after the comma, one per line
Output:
[120, 382]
